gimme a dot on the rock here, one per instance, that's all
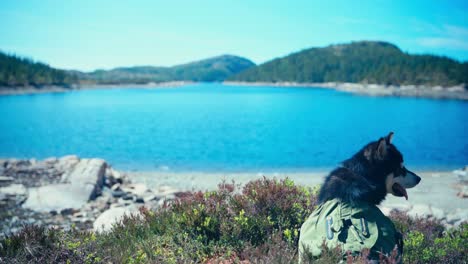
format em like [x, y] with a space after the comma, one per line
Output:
[463, 193]
[68, 211]
[149, 197]
[116, 187]
[386, 210]
[56, 197]
[118, 193]
[50, 160]
[419, 210]
[14, 190]
[437, 213]
[12, 195]
[5, 180]
[66, 164]
[127, 197]
[84, 183]
[106, 220]
[462, 175]
[137, 189]
[88, 173]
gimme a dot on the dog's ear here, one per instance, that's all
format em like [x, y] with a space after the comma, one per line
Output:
[389, 138]
[381, 148]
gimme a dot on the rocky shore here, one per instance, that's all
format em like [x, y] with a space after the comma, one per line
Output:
[76, 87]
[435, 92]
[88, 194]
[70, 192]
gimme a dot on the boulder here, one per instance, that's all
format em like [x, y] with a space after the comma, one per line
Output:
[13, 194]
[107, 219]
[89, 173]
[83, 183]
[463, 193]
[51, 160]
[66, 164]
[137, 189]
[420, 210]
[437, 213]
[5, 180]
[57, 197]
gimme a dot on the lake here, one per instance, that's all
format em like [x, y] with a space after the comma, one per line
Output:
[216, 127]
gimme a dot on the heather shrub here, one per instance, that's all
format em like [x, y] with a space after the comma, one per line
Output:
[259, 223]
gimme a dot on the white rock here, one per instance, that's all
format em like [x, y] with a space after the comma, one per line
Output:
[84, 183]
[66, 163]
[57, 197]
[386, 210]
[51, 160]
[420, 210]
[88, 173]
[437, 213]
[166, 190]
[138, 189]
[116, 174]
[13, 190]
[107, 219]
[5, 179]
[463, 193]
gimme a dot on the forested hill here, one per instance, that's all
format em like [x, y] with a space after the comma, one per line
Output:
[17, 72]
[359, 62]
[209, 70]
[20, 72]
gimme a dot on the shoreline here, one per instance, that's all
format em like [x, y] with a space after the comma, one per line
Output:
[60, 89]
[89, 192]
[441, 194]
[457, 92]
[377, 90]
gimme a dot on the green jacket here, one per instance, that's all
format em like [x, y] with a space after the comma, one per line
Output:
[352, 227]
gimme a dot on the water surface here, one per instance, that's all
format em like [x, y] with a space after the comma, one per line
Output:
[215, 127]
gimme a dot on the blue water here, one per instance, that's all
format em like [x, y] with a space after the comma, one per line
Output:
[213, 127]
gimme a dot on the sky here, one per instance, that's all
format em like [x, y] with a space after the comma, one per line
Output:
[103, 34]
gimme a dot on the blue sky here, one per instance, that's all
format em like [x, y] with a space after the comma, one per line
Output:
[88, 35]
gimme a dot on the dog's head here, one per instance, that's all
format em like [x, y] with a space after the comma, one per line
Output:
[388, 167]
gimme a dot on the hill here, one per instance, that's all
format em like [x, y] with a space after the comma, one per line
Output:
[359, 62]
[208, 70]
[18, 72]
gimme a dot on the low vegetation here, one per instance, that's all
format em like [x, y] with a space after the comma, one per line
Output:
[259, 223]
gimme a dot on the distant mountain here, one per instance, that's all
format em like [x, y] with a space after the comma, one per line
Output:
[208, 70]
[16, 72]
[20, 72]
[359, 62]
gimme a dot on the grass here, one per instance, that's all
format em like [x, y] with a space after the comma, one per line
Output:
[258, 224]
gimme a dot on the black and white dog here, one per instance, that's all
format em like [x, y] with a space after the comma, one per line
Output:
[374, 171]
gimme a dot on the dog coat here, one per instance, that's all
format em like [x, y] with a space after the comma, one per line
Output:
[352, 227]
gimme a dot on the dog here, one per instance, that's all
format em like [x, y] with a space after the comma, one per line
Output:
[347, 215]
[372, 173]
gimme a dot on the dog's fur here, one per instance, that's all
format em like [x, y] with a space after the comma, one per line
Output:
[374, 171]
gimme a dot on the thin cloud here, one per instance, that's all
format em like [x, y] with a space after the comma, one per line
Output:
[446, 36]
[444, 43]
